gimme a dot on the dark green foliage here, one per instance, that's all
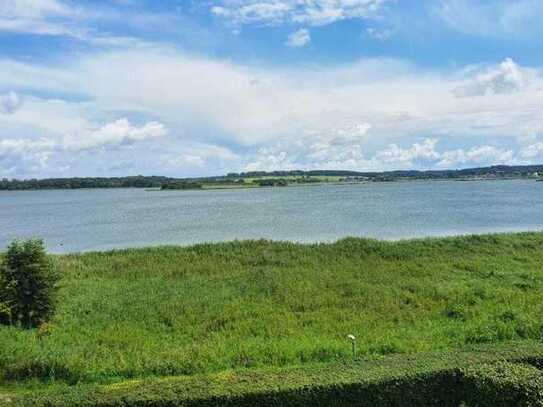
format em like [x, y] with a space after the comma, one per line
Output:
[487, 376]
[28, 284]
[181, 185]
[271, 182]
[494, 172]
[502, 384]
[79, 183]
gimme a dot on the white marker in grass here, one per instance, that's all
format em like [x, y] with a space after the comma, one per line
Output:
[353, 341]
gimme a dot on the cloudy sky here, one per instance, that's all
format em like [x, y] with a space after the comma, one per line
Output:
[205, 87]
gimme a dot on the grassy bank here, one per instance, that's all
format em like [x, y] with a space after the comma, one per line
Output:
[506, 374]
[209, 308]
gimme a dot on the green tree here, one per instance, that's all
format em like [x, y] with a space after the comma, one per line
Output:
[28, 284]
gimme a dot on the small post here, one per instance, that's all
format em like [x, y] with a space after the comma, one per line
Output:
[353, 342]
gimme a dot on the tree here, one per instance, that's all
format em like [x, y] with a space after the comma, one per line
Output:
[28, 284]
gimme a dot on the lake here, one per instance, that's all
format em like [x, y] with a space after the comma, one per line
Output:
[83, 220]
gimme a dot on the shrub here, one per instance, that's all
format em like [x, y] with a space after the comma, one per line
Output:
[502, 384]
[28, 284]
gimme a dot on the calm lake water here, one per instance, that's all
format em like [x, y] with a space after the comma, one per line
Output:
[81, 220]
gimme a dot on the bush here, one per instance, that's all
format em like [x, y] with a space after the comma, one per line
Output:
[503, 384]
[28, 284]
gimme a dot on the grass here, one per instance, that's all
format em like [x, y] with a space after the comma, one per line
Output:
[484, 375]
[294, 180]
[208, 308]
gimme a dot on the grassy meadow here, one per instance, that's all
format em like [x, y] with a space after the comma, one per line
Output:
[214, 307]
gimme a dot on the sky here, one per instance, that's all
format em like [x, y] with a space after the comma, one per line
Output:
[204, 87]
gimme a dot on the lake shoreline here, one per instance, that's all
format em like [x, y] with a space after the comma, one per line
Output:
[213, 187]
[189, 323]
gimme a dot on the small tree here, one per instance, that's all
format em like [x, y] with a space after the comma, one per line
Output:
[28, 284]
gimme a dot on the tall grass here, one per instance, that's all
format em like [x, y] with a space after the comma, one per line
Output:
[212, 307]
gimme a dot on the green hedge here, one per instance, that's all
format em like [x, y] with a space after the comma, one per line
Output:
[490, 376]
[502, 384]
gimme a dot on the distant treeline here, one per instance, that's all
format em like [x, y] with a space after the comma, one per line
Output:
[272, 182]
[497, 170]
[140, 181]
[182, 185]
[78, 183]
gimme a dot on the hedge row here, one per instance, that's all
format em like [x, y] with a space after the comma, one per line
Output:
[502, 384]
[493, 376]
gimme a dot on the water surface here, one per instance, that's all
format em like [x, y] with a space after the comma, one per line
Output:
[82, 220]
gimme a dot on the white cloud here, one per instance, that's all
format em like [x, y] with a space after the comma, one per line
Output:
[269, 161]
[78, 21]
[26, 155]
[23, 25]
[476, 156]
[379, 34]
[201, 155]
[311, 12]
[299, 38]
[343, 144]
[355, 116]
[10, 102]
[23, 155]
[33, 8]
[419, 155]
[533, 151]
[250, 104]
[496, 18]
[507, 77]
[36, 77]
[46, 17]
[425, 155]
[257, 11]
[419, 152]
[120, 132]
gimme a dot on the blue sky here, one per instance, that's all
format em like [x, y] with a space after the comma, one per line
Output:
[189, 88]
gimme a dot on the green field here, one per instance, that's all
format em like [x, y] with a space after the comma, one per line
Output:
[211, 308]
[292, 180]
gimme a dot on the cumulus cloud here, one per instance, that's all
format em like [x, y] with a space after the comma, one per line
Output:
[311, 12]
[120, 132]
[476, 156]
[337, 145]
[250, 104]
[299, 38]
[423, 155]
[27, 155]
[10, 103]
[507, 77]
[24, 155]
[364, 115]
[201, 155]
[418, 153]
[426, 155]
[267, 160]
